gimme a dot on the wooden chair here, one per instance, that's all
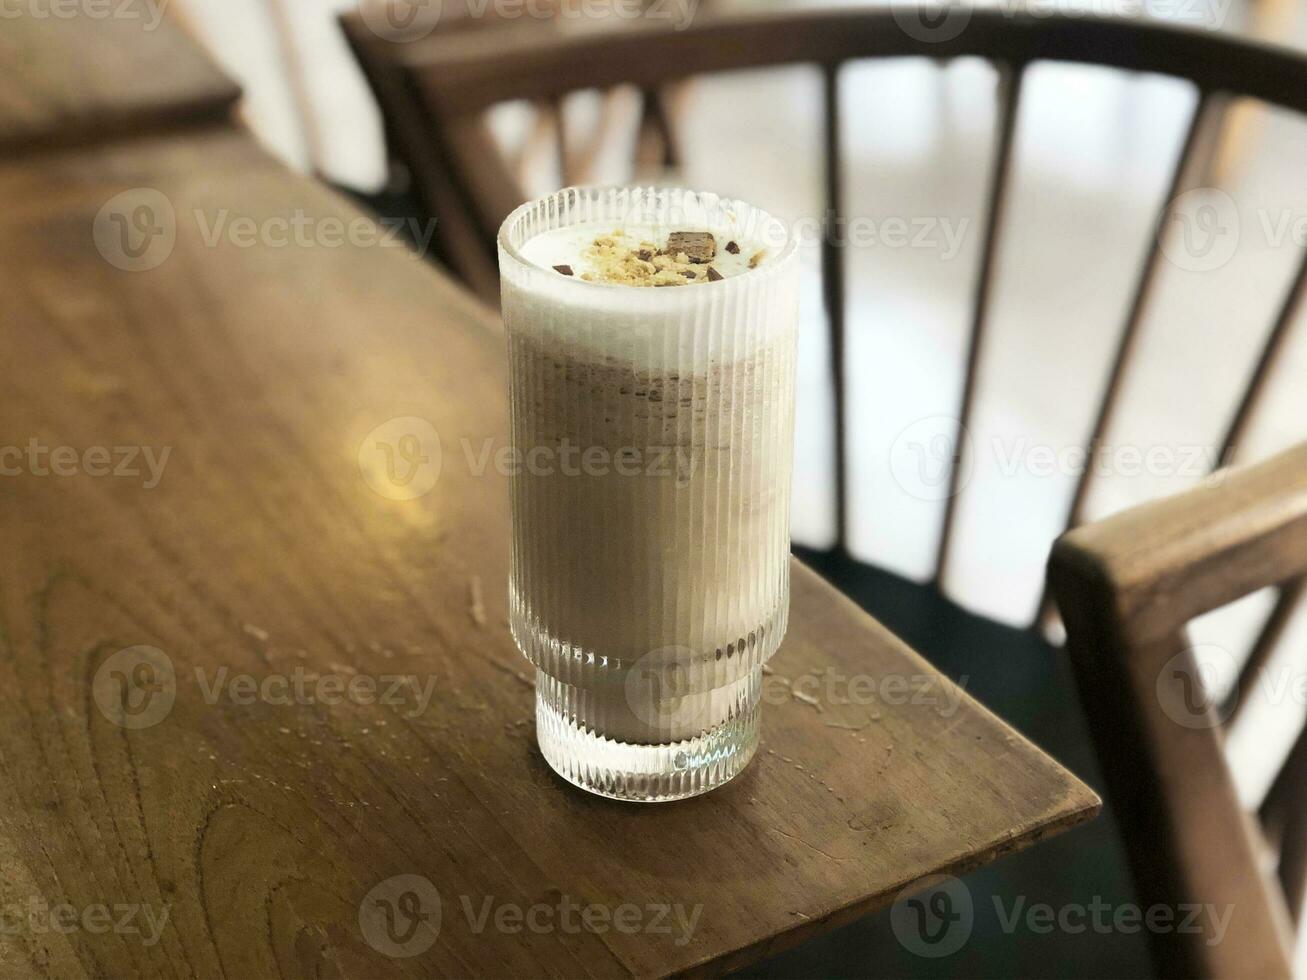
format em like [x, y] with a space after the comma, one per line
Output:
[451, 81]
[457, 172]
[1127, 586]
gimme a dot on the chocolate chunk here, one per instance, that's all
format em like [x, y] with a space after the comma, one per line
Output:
[699, 246]
[645, 254]
[733, 248]
[690, 273]
[714, 275]
[564, 269]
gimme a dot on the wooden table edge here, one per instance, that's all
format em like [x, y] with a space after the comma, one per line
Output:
[1085, 805]
[811, 928]
[177, 117]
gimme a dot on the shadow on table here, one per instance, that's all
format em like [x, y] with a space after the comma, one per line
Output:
[1081, 875]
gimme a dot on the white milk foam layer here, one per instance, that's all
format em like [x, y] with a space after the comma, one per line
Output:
[683, 328]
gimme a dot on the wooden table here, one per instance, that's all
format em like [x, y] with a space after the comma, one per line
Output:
[117, 68]
[168, 781]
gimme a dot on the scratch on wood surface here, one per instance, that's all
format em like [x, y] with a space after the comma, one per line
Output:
[478, 606]
[846, 726]
[800, 840]
[526, 681]
[808, 699]
[258, 632]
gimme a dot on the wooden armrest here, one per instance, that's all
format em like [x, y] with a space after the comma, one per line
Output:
[1173, 559]
[1126, 587]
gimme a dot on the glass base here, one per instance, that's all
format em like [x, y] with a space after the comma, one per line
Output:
[639, 772]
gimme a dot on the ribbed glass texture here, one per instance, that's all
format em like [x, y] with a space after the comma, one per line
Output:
[653, 432]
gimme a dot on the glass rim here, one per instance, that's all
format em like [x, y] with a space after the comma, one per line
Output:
[783, 257]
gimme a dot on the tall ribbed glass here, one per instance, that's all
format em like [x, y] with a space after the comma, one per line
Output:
[653, 432]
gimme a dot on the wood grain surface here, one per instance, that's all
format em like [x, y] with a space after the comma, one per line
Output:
[74, 73]
[191, 779]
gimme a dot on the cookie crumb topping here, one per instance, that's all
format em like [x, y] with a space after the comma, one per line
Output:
[620, 259]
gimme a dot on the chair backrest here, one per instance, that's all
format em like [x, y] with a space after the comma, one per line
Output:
[412, 143]
[447, 82]
[1127, 587]
[456, 168]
